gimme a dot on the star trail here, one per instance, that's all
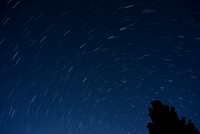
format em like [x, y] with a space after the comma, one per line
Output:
[93, 67]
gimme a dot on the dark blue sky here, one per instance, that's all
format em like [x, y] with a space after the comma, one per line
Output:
[93, 67]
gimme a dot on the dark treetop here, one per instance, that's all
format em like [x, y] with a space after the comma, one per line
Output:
[166, 121]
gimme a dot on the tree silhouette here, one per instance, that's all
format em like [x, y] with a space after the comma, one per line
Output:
[166, 121]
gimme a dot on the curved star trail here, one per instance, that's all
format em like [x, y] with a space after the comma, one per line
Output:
[93, 67]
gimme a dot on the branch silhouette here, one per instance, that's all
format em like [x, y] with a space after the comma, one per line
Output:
[166, 121]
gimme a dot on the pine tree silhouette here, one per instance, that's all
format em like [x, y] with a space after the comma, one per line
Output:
[166, 121]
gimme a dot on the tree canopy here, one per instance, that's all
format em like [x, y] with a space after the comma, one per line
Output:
[166, 121]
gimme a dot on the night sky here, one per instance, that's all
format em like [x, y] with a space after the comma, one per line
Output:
[93, 67]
